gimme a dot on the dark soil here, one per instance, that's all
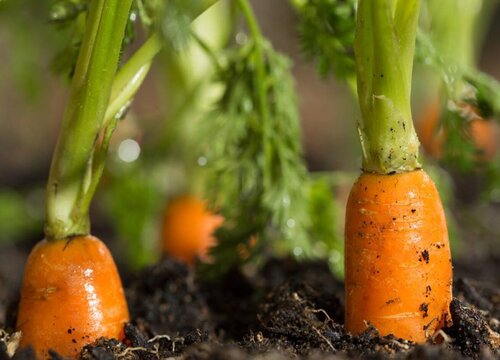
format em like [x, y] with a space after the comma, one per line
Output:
[285, 310]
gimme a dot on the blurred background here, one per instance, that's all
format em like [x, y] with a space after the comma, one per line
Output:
[32, 99]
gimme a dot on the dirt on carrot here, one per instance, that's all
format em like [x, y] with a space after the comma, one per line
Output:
[398, 262]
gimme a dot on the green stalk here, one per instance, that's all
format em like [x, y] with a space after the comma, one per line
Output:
[72, 173]
[453, 29]
[455, 37]
[97, 97]
[130, 77]
[384, 47]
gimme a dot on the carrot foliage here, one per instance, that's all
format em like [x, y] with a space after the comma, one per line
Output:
[326, 34]
[252, 151]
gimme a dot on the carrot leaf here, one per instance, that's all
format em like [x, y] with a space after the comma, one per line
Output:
[252, 154]
[326, 34]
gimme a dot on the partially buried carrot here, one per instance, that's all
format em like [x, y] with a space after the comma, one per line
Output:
[397, 257]
[188, 229]
[71, 295]
[399, 273]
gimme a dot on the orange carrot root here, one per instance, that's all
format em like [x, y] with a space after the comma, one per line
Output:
[187, 230]
[397, 256]
[71, 296]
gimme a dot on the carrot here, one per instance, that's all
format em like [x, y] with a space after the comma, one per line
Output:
[484, 133]
[71, 293]
[71, 296]
[187, 229]
[399, 275]
[397, 257]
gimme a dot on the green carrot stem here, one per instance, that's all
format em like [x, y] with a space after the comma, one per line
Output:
[384, 47]
[130, 77]
[71, 174]
[453, 29]
[454, 33]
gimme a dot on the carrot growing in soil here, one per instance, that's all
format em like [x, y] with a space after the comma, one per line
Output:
[71, 293]
[398, 272]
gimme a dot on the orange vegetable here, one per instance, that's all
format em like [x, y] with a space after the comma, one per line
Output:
[188, 227]
[398, 273]
[484, 133]
[397, 256]
[71, 296]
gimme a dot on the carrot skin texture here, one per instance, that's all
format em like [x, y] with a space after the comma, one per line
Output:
[71, 295]
[187, 229]
[397, 256]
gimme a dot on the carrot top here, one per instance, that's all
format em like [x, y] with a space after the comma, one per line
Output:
[99, 96]
[384, 45]
[71, 180]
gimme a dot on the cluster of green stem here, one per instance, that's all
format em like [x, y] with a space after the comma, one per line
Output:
[384, 47]
[70, 185]
[98, 96]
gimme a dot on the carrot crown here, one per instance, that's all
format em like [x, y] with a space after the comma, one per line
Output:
[384, 46]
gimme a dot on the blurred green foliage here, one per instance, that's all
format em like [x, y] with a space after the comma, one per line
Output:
[21, 215]
[326, 34]
[27, 36]
[326, 239]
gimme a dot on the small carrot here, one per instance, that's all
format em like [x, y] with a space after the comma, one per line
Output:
[71, 296]
[397, 257]
[187, 229]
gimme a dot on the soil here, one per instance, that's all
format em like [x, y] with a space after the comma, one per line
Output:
[285, 310]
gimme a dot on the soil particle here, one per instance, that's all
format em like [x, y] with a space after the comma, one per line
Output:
[470, 330]
[425, 256]
[103, 349]
[424, 307]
